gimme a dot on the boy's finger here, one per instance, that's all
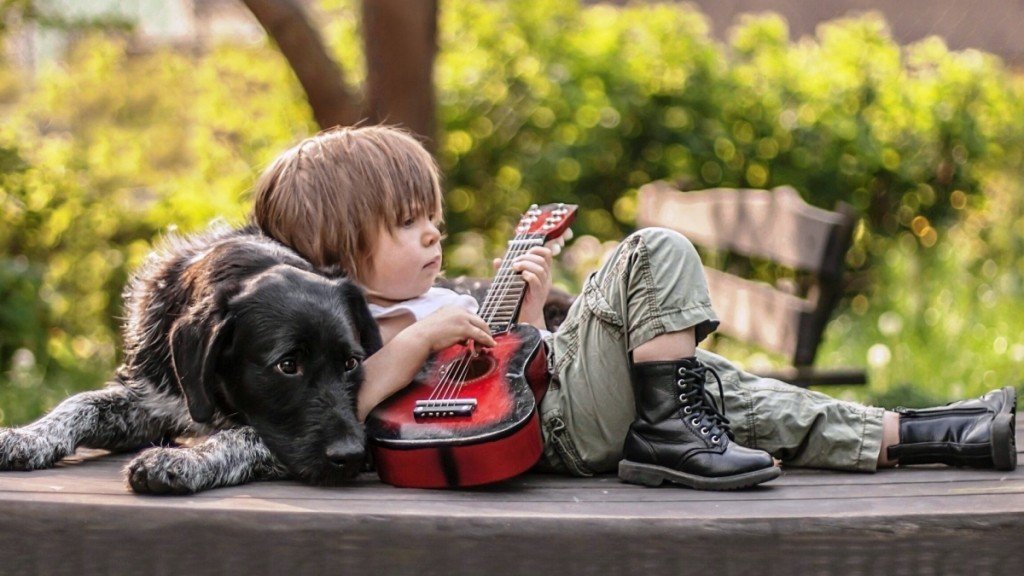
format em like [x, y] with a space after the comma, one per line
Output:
[557, 244]
[542, 251]
[484, 338]
[480, 323]
[538, 259]
[537, 270]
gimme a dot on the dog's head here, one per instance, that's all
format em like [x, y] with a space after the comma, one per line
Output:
[283, 352]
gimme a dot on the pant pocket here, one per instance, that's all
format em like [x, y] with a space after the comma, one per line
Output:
[599, 307]
[560, 440]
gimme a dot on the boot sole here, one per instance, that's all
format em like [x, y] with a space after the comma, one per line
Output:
[651, 475]
[1004, 441]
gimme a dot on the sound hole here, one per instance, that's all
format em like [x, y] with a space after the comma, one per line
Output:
[478, 367]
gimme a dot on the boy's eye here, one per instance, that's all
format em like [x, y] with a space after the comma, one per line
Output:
[408, 222]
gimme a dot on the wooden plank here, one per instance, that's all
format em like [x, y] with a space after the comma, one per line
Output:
[81, 519]
[98, 479]
[776, 225]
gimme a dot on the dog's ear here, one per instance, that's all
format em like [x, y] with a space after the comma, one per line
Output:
[196, 344]
[355, 301]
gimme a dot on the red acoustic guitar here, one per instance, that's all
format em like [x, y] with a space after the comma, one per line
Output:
[470, 417]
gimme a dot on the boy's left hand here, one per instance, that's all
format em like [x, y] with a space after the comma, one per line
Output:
[535, 267]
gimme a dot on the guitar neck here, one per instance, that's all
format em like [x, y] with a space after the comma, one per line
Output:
[500, 307]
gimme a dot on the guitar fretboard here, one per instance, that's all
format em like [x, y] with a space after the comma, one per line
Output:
[501, 304]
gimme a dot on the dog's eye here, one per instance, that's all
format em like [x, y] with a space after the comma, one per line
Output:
[288, 367]
[351, 364]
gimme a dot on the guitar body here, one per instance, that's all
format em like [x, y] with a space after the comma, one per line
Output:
[499, 438]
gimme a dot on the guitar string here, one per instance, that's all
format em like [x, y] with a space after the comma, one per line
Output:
[455, 384]
[508, 282]
[452, 381]
[450, 384]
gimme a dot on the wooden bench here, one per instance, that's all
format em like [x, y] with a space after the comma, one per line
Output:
[776, 228]
[81, 519]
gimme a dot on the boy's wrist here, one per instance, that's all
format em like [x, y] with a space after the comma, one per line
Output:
[535, 321]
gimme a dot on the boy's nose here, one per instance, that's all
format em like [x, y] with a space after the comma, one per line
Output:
[432, 235]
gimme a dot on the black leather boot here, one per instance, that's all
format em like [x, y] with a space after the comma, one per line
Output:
[978, 433]
[681, 436]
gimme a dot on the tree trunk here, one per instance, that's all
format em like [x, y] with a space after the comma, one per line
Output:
[320, 75]
[400, 38]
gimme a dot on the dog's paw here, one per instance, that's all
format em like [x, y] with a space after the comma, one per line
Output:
[22, 449]
[164, 471]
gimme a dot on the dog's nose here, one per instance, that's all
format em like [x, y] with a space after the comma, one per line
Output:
[345, 454]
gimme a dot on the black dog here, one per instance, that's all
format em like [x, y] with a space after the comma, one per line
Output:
[233, 335]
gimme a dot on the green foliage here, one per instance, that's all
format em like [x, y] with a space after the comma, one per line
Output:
[539, 101]
[552, 101]
[94, 166]
[945, 318]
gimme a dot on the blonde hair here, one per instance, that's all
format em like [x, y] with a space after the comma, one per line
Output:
[329, 195]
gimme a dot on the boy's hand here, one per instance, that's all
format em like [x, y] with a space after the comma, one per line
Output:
[535, 267]
[451, 325]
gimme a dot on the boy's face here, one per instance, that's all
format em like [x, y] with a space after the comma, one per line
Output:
[405, 262]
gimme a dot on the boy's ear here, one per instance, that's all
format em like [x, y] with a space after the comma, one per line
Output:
[362, 321]
[197, 342]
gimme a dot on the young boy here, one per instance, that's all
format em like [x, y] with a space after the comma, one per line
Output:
[627, 380]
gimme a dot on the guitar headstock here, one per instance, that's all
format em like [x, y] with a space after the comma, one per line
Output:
[548, 221]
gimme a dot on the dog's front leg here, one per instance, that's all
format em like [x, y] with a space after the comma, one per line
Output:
[111, 419]
[226, 458]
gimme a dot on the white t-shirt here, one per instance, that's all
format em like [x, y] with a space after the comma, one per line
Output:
[425, 305]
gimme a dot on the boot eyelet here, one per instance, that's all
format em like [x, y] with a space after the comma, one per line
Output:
[704, 431]
[681, 383]
[715, 439]
[686, 409]
[695, 421]
[681, 371]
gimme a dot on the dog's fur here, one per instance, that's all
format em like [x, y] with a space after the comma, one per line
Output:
[215, 324]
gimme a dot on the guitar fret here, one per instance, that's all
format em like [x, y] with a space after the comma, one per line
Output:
[526, 243]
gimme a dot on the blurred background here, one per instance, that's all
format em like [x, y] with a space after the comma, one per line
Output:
[125, 121]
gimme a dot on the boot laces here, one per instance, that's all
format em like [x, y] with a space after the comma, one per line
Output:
[702, 403]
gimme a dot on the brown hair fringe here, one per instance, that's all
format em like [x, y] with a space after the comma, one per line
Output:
[329, 195]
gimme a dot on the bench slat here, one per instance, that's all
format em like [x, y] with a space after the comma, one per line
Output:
[755, 312]
[776, 225]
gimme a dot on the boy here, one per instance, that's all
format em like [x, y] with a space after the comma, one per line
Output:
[628, 382]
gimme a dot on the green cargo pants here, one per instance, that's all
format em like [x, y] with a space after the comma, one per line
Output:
[651, 285]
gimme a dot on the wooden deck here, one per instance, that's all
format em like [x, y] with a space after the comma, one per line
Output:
[81, 519]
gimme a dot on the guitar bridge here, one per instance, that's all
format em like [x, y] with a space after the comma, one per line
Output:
[444, 408]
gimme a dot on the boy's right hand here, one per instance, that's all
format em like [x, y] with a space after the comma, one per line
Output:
[450, 325]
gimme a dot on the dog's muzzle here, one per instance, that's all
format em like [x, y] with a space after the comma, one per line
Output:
[346, 455]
